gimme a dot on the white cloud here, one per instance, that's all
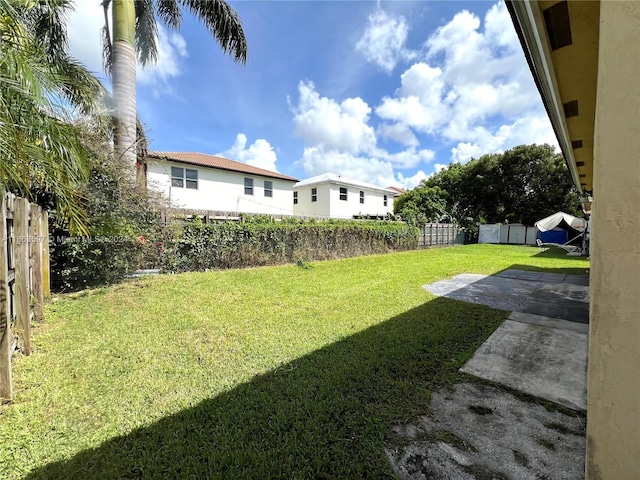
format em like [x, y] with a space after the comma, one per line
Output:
[522, 131]
[316, 161]
[339, 139]
[474, 89]
[409, 158]
[413, 181]
[259, 154]
[85, 34]
[85, 42]
[323, 121]
[399, 133]
[439, 167]
[172, 48]
[418, 103]
[383, 41]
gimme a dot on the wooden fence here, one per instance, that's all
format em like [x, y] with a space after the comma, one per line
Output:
[440, 234]
[24, 278]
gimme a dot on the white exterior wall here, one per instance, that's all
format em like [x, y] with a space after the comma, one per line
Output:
[329, 204]
[222, 190]
[305, 207]
[373, 202]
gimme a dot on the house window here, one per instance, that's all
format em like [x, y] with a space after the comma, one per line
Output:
[385, 200]
[295, 198]
[361, 196]
[191, 178]
[268, 188]
[343, 193]
[181, 177]
[248, 186]
[314, 194]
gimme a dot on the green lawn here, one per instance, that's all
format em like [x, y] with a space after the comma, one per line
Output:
[273, 372]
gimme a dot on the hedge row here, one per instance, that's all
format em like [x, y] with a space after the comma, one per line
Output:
[235, 245]
[194, 246]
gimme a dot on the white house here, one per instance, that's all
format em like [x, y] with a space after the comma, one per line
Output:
[206, 182]
[334, 196]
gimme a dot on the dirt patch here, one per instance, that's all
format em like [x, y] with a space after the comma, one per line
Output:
[479, 432]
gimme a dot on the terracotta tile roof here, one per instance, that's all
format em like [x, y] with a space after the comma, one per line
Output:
[339, 179]
[398, 189]
[204, 160]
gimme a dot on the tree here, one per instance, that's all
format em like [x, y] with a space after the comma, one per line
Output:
[43, 94]
[422, 205]
[521, 185]
[135, 33]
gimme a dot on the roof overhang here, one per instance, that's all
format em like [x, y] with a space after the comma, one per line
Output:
[344, 183]
[560, 42]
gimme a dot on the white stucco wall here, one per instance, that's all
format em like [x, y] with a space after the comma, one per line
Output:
[305, 207]
[613, 429]
[373, 202]
[329, 204]
[222, 190]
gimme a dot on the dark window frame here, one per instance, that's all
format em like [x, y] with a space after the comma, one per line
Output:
[295, 198]
[184, 178]
[385, 200]
[344, 194]
[268, 191]
[248, 186]
[362, 197]
[314, 194]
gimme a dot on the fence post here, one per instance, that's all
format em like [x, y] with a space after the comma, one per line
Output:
[21, 286]
[36, 241]
[6, 389]
[46, 265]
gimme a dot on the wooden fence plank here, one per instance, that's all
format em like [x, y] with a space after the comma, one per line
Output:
[46, 263]
[21, 288]
[438, 234]
[6, 388]
[35, 246]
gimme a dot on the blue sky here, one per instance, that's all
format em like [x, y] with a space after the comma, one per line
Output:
[385, 92]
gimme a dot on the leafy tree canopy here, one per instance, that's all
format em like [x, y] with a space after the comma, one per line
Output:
[521, 185]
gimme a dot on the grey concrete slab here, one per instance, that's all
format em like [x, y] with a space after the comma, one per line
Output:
[546, 362]
[509, 273]
[544, 277]
[523, 294]
[558, 300]
[479, 431]
[549, 322]
[577, 280]
[530, 276]
[553, 277]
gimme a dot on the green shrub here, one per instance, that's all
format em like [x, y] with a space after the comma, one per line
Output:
[199, 246]
[124, 231]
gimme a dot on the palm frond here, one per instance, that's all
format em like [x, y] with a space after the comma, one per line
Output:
[47, 21]
[43, 150]
[223, 23]
[107, 46]
[146, 32]
[169, 12]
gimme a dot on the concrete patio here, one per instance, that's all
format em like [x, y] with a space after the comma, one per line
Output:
[542, 348]
[483, 431]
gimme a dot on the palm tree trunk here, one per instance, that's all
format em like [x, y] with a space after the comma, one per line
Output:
[124, 84]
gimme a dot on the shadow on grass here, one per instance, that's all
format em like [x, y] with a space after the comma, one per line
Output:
[558, 253]
[324, 415]
[561, 271]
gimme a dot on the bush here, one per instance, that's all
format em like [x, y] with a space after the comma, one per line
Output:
[198, 246]
[124, 228]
